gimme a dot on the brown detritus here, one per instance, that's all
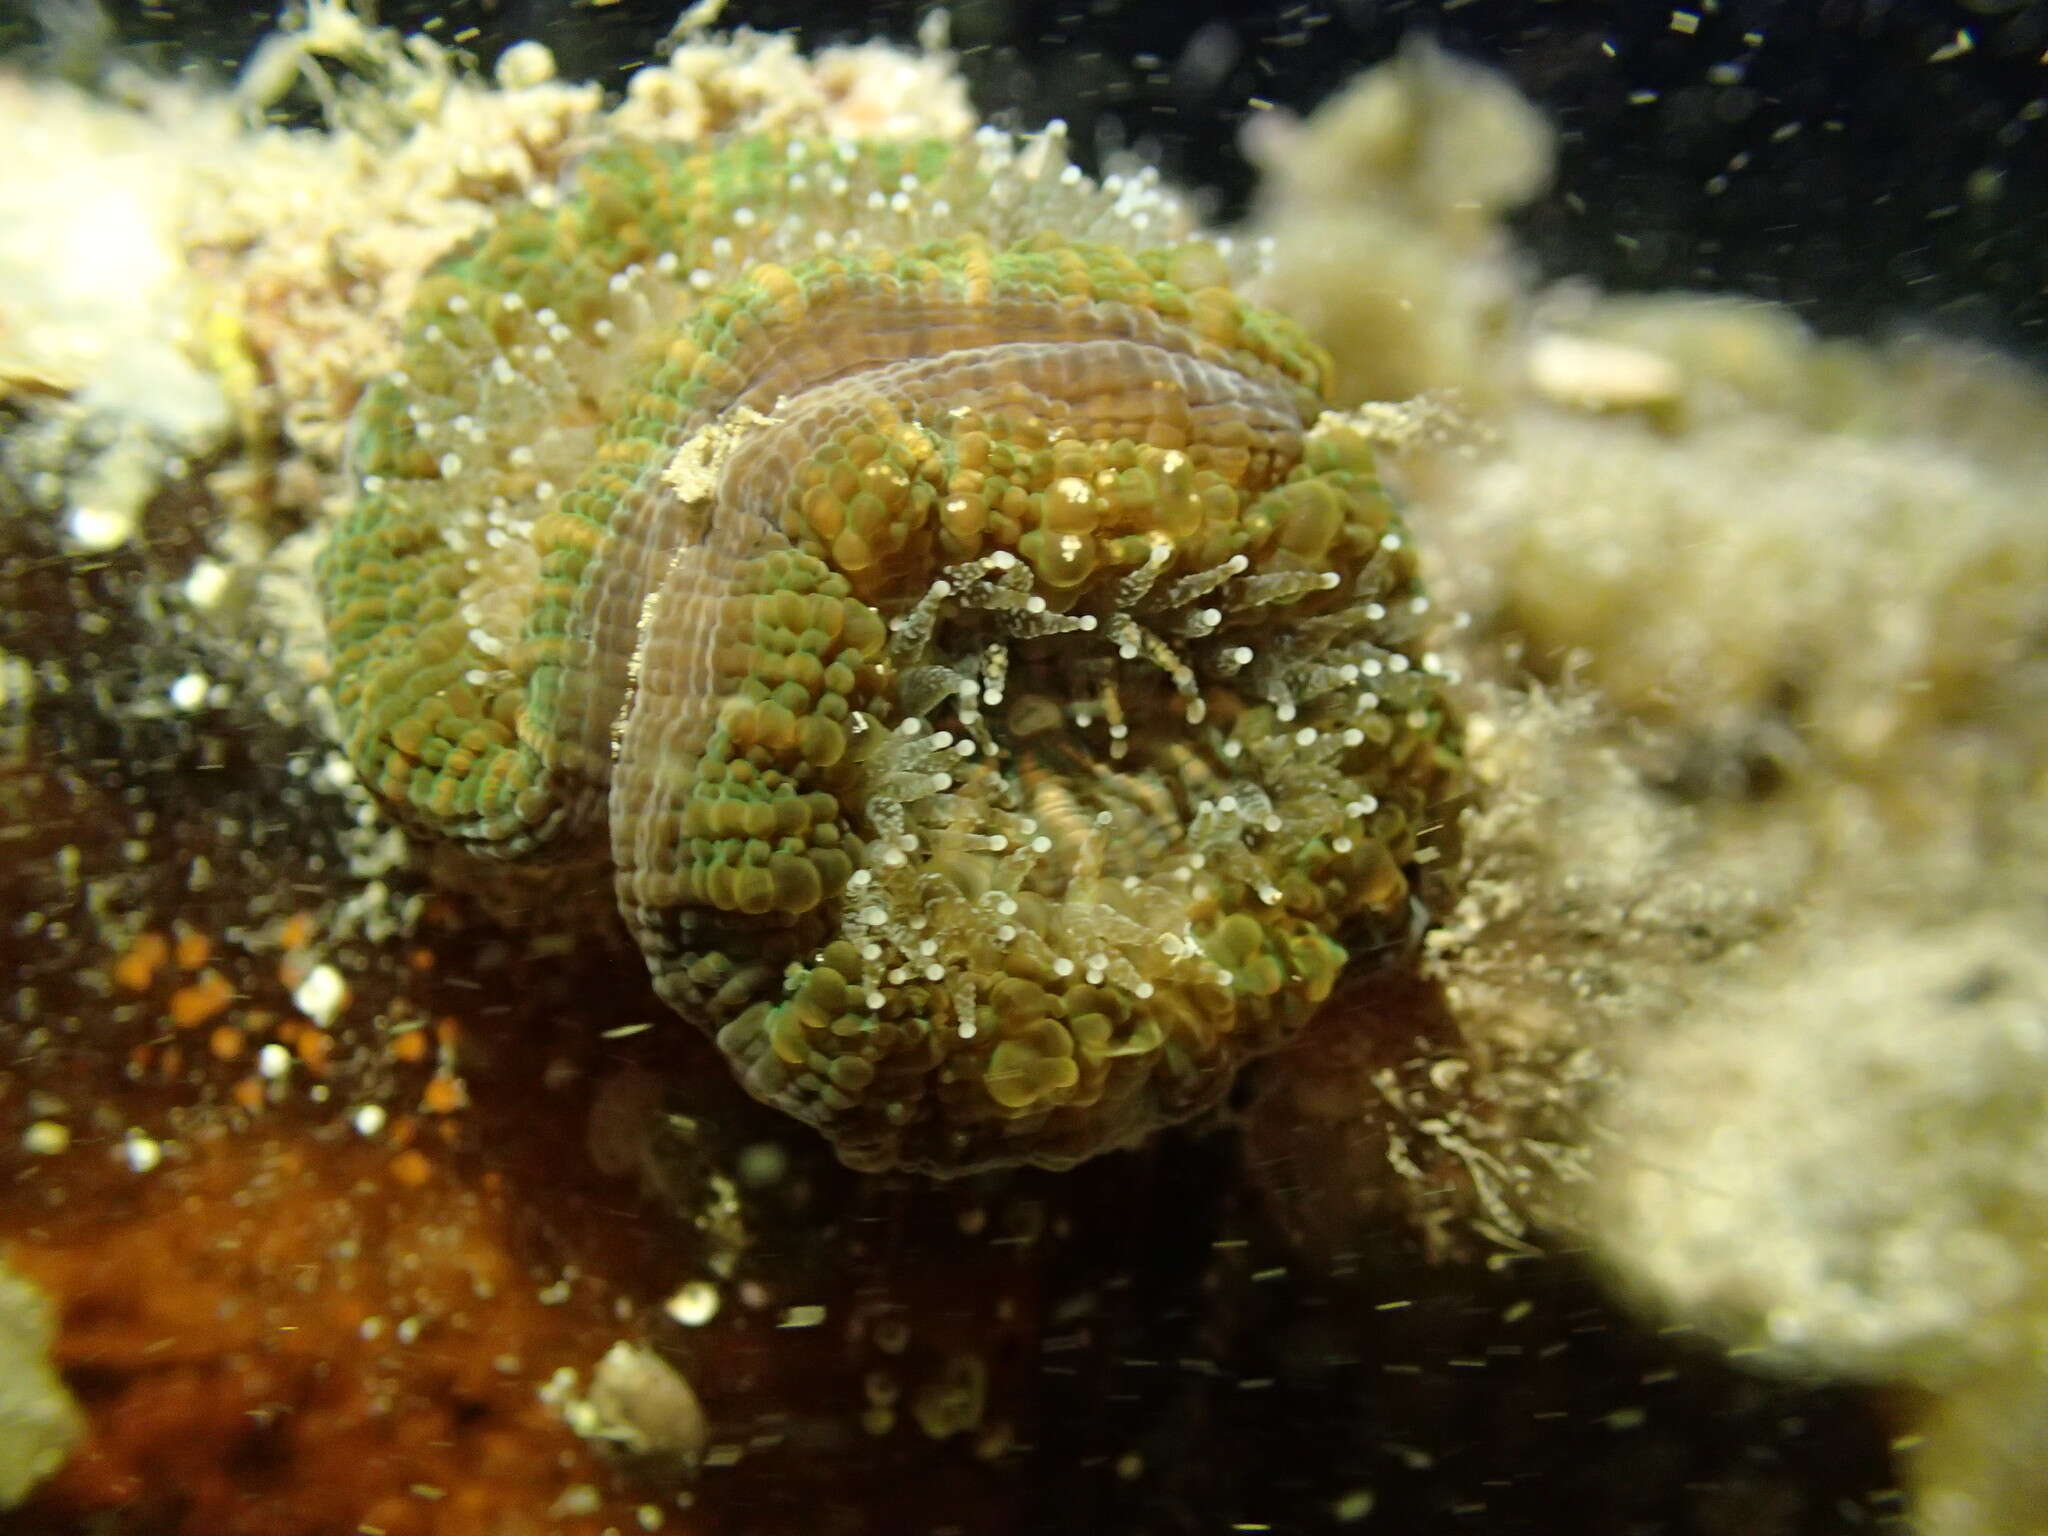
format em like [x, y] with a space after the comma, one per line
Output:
[1373, 1119]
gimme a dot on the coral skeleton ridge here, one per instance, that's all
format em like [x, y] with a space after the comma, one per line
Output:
[995, 685]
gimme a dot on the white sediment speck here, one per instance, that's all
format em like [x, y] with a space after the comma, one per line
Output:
[206, 583]
[321, 996]
[141, 1153]
[94, 529]
[694, 1304]
[189, 692]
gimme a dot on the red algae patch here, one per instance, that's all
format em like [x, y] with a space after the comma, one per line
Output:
[279, 1336]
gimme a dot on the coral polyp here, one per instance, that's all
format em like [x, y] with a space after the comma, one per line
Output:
[992, 683]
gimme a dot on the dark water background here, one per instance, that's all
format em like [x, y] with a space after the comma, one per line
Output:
[1864, 160]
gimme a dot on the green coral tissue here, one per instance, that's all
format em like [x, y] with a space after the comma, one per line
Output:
[995, 687]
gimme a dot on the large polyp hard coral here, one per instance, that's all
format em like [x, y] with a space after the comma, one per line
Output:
[994, 684]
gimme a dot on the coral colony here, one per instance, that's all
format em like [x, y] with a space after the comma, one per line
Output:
[996, 693]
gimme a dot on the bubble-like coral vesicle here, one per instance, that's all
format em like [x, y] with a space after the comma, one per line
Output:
[993, 681]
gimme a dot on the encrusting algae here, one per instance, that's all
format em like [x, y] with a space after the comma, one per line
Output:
[1001, 693]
